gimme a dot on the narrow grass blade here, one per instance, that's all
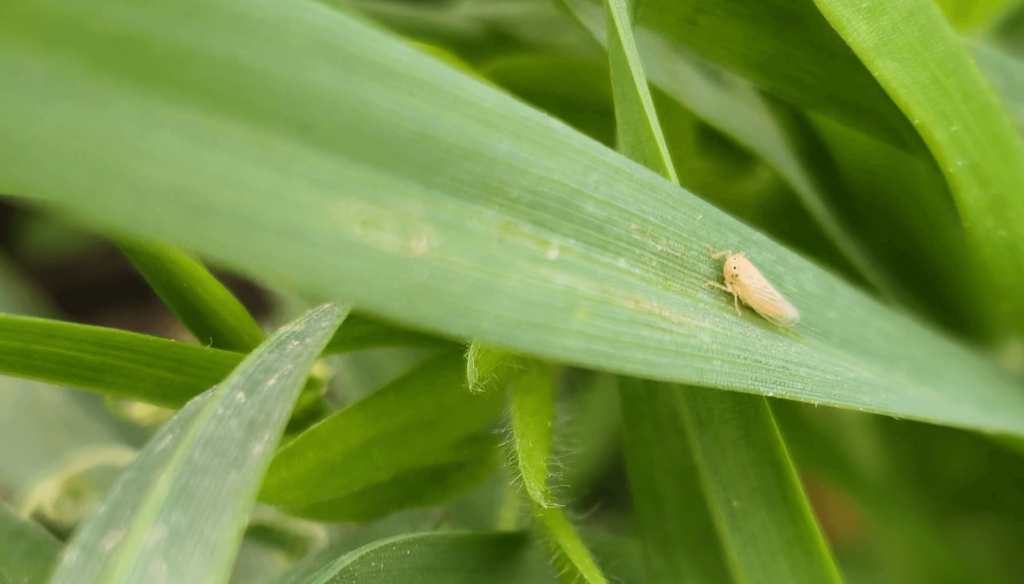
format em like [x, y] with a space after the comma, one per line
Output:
[435, 558]
[932, 78]
[680, 543]
[113, 362]
[766, 526]
[536, 239]
[205, 306]
[179, 511]
[639, 133]
[412, 423]
[27, 552]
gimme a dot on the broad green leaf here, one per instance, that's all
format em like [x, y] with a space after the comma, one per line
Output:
[210, 311]
[680, 543]
[432, 481]
[655, 492]
[410, 424]
[639, 133]
[533, 428]
[535, 238]
[933, 79]
[430, 558]
[179, 511]
[27, 552]
[113, 362]
[360, 332]
[752, 490]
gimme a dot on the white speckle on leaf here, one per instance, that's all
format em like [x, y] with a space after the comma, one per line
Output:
[552, 253]
[240, 397]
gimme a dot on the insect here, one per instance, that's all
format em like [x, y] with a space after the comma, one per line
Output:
[746, 283]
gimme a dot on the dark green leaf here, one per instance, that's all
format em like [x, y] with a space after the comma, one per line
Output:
[436, 558]
[360, 332]
[410, 424]
[435, 480]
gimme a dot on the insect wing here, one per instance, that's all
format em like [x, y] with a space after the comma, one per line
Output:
[760, 295]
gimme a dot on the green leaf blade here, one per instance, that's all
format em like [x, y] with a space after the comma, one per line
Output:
[112, 362]
[752, 489]
[639, 133]
[680, 543]
[210, 311]
[27, 552]
[538, 239]
[179, 511]
[435, 558]
[412, 423]
[932, 78]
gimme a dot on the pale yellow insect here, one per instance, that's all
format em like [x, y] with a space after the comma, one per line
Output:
[746, 283]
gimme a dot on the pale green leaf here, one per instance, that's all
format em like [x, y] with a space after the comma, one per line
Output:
[179, 511]
[535, 238]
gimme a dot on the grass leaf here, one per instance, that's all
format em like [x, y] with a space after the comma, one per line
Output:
[933, 79]
[109, 361]
[179, 511]
[413, 423]
[752, 490]
[639, 133]
[538, 239]
[430, 482]
[360, 332]
[680, 543]
[434, 558]
[27, 552]
[210, 311]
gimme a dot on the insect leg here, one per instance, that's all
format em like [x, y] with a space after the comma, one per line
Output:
[717, 285]
[736, 302]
